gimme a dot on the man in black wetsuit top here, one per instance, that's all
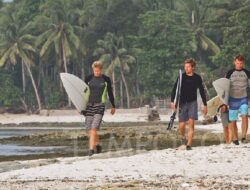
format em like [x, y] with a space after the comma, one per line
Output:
[100, 87]
[188, 108]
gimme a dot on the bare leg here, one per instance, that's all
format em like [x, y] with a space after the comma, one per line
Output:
[231, 126]
[235, 137]
[226, 135]
[92, 139]
[182, 129]
[97, 140]
[244, 126]
[190, 132]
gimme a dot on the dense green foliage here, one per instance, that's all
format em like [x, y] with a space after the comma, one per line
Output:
[10, 93]
[142, 43]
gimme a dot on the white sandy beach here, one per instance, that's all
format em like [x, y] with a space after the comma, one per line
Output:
[72, 116]
[214, 167]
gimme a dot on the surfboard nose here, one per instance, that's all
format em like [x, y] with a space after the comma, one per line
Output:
[62, 75]
[76, 89]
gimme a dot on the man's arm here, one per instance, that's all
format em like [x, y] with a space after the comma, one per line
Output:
[110, 92]
[202, 92]
[229, 73]
[247, 73]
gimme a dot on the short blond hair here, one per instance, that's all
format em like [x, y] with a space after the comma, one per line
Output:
[97, 64]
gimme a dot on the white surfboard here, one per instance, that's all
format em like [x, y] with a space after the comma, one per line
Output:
[77, 90]
[213, 105]
[176, 101]
[178, 93]
[222, 87]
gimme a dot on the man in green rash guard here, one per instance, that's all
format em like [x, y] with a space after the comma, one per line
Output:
[100, 86]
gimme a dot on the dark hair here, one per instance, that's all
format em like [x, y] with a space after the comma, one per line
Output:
[239, 58]
[190, 61]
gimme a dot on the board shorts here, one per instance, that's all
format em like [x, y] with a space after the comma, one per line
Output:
[237, 105]
[94, 115]
[188, 111]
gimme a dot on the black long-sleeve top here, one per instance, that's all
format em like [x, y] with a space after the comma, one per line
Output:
[189, 86]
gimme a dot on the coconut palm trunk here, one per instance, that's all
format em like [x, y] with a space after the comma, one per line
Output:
[23, 77]
[64, 57]
[126, 87]
[65, 65]
[121, 94]
[114, 85]
[35, 87]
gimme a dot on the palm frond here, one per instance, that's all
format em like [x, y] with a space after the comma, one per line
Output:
[43, 37]
[211, 45]
[67, 48]
[5, 57]
[28, 47]
[47, 44]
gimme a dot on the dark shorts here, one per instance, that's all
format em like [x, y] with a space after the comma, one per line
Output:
[93, 122]
[94, 115]
[188, 111]
[95, 108]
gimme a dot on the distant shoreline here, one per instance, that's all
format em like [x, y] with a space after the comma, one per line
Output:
[61, 118]
[73, 117]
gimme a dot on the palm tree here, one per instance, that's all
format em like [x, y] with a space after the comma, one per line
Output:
[112, 51]
[60, 34]
[147, 5]
[16, 44]
[194, 14]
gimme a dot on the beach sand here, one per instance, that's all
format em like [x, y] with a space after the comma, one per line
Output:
[213, 167]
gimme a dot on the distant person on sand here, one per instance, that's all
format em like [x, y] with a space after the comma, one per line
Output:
[223, 109]
[100, 86]
[188, 101]
[238, 100]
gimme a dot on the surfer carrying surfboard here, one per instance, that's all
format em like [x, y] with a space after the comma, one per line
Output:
[100, 86]
[188, 108]
[238, 100]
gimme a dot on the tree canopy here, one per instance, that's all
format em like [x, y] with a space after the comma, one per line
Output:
[143, 44]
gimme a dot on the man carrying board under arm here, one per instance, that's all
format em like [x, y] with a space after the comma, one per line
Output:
[188, 101]
[100, 86]
[238, 100]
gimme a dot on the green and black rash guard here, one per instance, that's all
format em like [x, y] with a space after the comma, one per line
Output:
[99, 88]
[189, 86]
